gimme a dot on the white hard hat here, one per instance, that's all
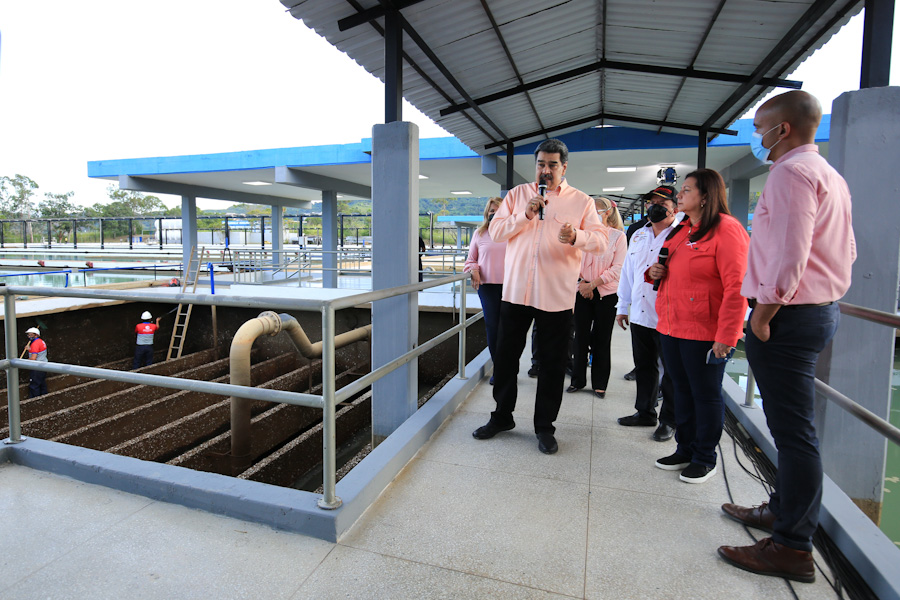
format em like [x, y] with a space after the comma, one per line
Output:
[146, 316]
[34, 330]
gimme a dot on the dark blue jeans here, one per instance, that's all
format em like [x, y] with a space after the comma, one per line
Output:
[553, 337]
[490, 295]
[785, 370]
[699, 408]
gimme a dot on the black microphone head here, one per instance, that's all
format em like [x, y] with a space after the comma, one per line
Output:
[542, 188]
[663, 254]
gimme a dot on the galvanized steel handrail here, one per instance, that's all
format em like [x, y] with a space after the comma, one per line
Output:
[327, 401]
[877, 423]
[870, 314]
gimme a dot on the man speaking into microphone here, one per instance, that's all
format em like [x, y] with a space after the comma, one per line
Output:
[543, 257]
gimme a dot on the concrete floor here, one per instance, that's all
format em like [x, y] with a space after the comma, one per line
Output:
[464, 519]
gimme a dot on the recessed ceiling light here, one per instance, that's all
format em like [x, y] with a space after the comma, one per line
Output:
[621, 169]
[614, 189]
[256, 183]
[423, 176]
[465, 192]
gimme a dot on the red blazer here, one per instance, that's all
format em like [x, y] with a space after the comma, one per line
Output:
[700, 297]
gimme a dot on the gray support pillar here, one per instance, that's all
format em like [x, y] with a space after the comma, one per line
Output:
[739, 200]
[188, 230]
[395, 321]
[864, 146]
[329, 239]
[277, 237]
[459, 237]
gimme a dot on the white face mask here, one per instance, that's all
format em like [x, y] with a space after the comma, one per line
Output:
[756, 145]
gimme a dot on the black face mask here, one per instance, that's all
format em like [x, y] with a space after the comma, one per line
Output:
[491, 217]
[657, 213]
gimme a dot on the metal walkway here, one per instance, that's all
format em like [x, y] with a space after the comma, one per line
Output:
[464, 519]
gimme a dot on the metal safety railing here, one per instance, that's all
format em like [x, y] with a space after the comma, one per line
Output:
[854, 408]
[262, 266]
[327, 401]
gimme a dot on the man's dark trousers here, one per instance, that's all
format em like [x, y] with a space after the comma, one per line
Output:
[143, 356]
[785, 370]
[647, 357]
[37, 384]
[553, 338]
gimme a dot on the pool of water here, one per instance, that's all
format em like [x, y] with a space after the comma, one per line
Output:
[890, 512]
[79, 279]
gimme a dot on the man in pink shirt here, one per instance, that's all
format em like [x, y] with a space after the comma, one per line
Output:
[546, 224]
[799, 264]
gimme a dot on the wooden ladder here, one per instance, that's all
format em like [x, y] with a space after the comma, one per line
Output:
[183, 317]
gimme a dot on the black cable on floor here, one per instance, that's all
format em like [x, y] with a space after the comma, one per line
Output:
[844, 576]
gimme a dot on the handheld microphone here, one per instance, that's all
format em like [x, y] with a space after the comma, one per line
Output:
[542, 190]
[663, 257]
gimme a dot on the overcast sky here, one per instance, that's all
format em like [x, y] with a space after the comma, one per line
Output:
[110, 79]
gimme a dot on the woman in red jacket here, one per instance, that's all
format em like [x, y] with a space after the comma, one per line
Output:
[701, 317]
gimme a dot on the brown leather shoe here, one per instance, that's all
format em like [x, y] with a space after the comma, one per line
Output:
[759, 517]
[767, 557]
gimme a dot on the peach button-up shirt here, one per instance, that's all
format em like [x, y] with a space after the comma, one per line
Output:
[802, 246]
[540, 271]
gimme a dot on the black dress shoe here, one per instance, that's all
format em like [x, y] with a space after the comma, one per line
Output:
[573, 388]
[533, 372]
[663, 432]
[547, 443]
[486, 432]
[630, 376]
[637, 419]
[600, 394]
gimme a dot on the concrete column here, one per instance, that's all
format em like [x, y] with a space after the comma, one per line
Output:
[188, 230]
[329, 239]
[277, 238]
[395, 244]
[739, 199]
[864, 146]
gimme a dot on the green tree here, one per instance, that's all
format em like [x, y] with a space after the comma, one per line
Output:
[59, 206]
[16, 196]
[133, 204]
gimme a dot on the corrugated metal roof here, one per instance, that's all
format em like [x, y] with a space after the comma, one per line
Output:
[547, 38]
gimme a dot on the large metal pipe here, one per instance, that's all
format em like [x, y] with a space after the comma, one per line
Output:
[269, 323]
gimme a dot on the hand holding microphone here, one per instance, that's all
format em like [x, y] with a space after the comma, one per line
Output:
[663, 257]
[542, 189]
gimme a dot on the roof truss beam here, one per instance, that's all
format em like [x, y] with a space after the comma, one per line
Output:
[608, 116]
[688, 73]
[419, 71]
[370, 14]
[156, 186]
[803, 24]
[794, 59]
